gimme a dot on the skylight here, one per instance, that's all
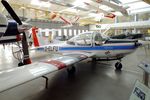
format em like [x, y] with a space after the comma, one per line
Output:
[106, 8]
[138, 5]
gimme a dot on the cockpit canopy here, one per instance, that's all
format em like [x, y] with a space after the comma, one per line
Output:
[86, 39]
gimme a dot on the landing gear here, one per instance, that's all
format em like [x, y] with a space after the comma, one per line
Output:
[20, 64]
[93, 59]
[71, 71]
[118, 66]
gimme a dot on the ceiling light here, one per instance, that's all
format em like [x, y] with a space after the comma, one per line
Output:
[106, 8]
[40, 3]
[128, 1]
[80, 3]
[117, 13]
[22, 7]
[72, 10]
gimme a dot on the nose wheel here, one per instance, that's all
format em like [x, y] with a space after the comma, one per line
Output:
[118, 65]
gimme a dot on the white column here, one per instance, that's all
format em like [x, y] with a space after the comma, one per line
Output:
[135, 20]
[116, 21]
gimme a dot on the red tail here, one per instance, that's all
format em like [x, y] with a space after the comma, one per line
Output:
[35, 38]
[110, 15]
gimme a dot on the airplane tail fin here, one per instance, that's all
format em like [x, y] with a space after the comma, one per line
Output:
[34, 36]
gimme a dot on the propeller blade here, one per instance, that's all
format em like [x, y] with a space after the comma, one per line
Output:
[11, 12]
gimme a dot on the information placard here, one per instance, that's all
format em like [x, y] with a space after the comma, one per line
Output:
[140, 92]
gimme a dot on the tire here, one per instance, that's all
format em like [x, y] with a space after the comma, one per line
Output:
[20, 64]
[71, 71]
[93, 59]
[118, 66]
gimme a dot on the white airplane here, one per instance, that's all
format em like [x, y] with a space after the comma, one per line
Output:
[78, 48]
[93, 43]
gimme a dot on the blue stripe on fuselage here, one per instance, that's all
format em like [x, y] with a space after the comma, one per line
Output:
[98, 48]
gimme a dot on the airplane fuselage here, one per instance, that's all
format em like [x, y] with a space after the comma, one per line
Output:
[111, 48]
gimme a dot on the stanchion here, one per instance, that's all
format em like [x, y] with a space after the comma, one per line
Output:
[146, 68]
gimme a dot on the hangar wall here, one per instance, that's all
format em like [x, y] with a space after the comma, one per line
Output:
[55, 25]
[75, 29]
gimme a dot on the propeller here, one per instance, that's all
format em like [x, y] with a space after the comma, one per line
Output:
[26, 59]
[11, 12]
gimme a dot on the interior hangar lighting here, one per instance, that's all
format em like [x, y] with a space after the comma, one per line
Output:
[40, 3]
[80, 3]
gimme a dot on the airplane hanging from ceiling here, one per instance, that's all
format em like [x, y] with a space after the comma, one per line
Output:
[98, 10]
[67, 22]
[79, 48]
[98, 13]
[112, 5]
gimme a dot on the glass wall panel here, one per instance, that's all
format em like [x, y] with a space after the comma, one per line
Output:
[65, 32]
[70, 32]
[75, 32]
[79, 31]
[59, 32]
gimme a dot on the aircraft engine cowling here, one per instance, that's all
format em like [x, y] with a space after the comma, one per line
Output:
[12, 29]
[3, 24]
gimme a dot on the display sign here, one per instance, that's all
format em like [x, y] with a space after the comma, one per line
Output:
[98, 27]
[140, 92]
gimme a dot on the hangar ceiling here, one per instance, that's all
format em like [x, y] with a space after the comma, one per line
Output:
[88, 11]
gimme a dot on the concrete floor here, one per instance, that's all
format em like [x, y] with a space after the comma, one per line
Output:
[97, 81]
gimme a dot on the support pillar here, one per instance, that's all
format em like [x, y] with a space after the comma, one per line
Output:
[116, 21]
[135, 20]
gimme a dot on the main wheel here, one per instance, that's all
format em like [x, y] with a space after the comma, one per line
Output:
[93, 59]
[71, 71]
[20, 64]
[118, 66]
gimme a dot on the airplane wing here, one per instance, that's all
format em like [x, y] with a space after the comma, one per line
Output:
[106, 14]
[20, 75]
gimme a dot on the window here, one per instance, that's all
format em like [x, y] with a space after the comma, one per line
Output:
[65, 32]
[70, 32]
[79, 31]
[59, 32]
[98, 39]
[83, 31]
[75, 32]
[81, 40]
